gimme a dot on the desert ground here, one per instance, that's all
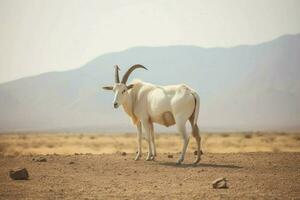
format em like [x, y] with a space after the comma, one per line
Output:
[256, 165]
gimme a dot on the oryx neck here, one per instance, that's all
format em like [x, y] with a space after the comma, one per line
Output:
[128, 106]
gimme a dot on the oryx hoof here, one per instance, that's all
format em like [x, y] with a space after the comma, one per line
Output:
[197, 160]
[137, 157]
[149, 157]
[179, 161]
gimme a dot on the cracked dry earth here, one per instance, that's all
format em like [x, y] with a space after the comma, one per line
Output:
[116, 176]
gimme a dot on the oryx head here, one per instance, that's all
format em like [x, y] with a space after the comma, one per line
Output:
[120, 88]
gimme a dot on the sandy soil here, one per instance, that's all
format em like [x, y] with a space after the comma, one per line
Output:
[113, 176]
[86, 166]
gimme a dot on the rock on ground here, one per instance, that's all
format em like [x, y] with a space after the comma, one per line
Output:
[220, 183]
[19, 174]
[39, 159]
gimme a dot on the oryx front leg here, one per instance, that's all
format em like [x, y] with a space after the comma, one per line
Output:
[152, 141]
[147, 127]
[139, 141]
[185, 138]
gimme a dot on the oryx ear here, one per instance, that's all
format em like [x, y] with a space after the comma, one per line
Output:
[107, 87]
[130, 86]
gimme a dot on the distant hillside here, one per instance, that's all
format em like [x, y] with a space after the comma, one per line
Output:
[241, 88]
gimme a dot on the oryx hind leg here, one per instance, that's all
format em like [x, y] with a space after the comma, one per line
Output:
[180, 122]
[195, 133]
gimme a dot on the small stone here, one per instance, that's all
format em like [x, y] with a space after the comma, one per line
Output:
[19, 174]
[39, 159]
[220, 183]
[170, 156]
[123, 153]
[71, 163]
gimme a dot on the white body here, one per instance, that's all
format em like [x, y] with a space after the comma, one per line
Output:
[146, 104]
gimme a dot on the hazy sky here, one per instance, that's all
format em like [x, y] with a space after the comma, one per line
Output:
[45, 35]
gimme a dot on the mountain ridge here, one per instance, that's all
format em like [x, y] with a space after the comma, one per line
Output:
[167, 46]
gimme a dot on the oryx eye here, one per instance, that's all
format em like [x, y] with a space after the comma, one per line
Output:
[123, 91]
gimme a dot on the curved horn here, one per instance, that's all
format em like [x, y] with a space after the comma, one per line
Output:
[117, 69]
[126, 75]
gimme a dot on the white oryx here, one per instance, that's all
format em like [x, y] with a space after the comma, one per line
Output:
[146, 104]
